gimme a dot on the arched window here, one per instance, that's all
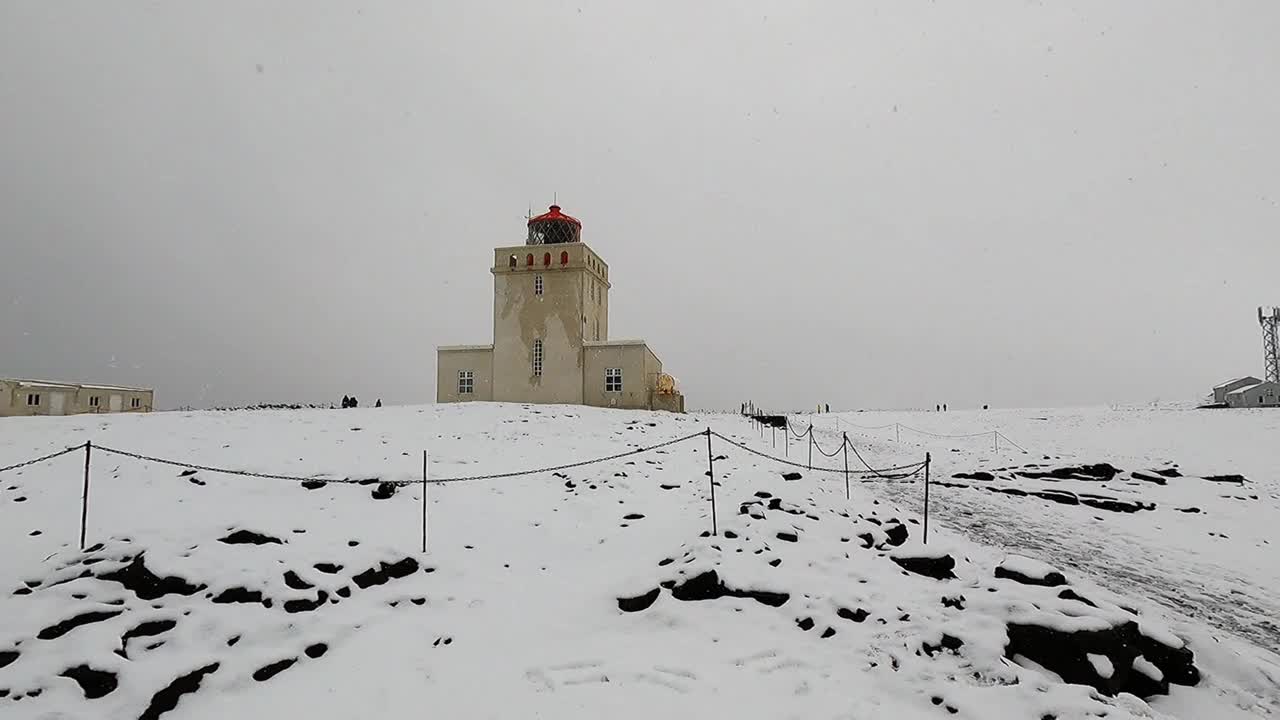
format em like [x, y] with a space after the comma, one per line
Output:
[528, 259]
[546, 258]
[564, 257]
[513, 261]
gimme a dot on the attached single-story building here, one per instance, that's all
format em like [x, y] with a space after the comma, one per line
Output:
[1220, 391]
[42, 397]
[1262, 394]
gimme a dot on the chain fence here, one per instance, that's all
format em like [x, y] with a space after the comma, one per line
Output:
[901, 473]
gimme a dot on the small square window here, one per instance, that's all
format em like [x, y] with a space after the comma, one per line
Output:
[466, 382]
[33, 399]
[135, 403]
[94, 401]
[613, 380]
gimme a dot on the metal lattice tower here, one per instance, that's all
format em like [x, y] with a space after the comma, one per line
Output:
[1270, 330]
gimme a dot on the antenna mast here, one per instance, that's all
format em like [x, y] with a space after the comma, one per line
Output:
[1271, 354]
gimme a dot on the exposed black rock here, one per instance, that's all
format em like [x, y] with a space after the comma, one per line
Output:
[975, 476]
[956, 602]
[791, 476]
[344, 592]
[231, 642]
[186, 473]
[1051, 579]
[731, 534]
[136, 578]
[897, 534]
[1100, 472]
[1168, 472]
[633, 516]
[639, 602]
[249, 537]
[868, 541]
[58, 630]
[316, 650]
[938, 568]
[1066, 653]
[949, 642]
[292, 579]
[167, 699]
[789, 537]
[1114, 505]
[1059, 496]
[775, 562]
[829, 632]
[8, 657]
[94, 683]
[805, 624]
[708, 586]
[385, 572]
[146, 629]
[384, 491]
[313, 484]
[1148, 477]
[328, 568]
[267, 672]
[1009, 491]
[763, 494]
[306, 604]
[1237, 479]
[1188, 510]
[854, 615]
[237, 595]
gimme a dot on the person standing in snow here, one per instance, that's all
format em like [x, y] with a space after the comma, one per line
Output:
[378, 404]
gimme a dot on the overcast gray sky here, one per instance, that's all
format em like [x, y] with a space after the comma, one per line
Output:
[868, 204]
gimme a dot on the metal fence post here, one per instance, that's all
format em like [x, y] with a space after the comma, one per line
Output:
[995, 437]
[425, 484]
[927, 459]
[711, 478]
[811, 446]
[845, 448]
[897, 436]
[84, 500]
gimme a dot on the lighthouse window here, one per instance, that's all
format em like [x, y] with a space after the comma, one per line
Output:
[537, 358]
[537, 284]
[512, 262]
[564, 257]
[528, 259]
[546, 258]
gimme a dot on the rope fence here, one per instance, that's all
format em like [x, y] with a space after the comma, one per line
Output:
[995, 435]
[900, 473]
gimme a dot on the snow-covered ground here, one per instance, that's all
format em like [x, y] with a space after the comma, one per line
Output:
[590, 591]
[1209, 550]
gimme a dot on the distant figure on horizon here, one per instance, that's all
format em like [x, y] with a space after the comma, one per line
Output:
[379, 403]
[984, 407]
[346, 402]
[937, 408]
[944, 407]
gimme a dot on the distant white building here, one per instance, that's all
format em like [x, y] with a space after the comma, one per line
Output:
[1260, 394]
[1220, 391]
[41, 397]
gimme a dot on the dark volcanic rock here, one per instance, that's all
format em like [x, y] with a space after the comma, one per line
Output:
[1066, 653]
[1148, 477]
[167, 699]
[94, 683]
[805, 624]
[59, 629]
[249, 537]
[789, 537]
[8, 657]
[791, 476]
[639, 602]
[384, 491]
[1237, 479]
[316, 650]
[147, 585]
[974, 476]
[897, 534]
[1059, 496]
[385, 572]
[1069, 594]
[306, 604]
[313, 484]
[267, 672]
[1051, 579]
[939, 568]
[708, 586]
[855, 615]
[150, 628]
[295, 582]
[237, 595]
[948, 642]
[1099, 472]
[328, 568]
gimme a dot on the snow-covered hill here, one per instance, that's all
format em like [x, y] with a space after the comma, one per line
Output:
[598, 590]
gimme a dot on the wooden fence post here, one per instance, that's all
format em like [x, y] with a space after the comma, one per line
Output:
[927, 459]
[84, 500]
[711, 477]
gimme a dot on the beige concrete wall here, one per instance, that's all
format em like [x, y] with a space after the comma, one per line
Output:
[75, 399]
[634, 358]
[449, 361]
[563, 316]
